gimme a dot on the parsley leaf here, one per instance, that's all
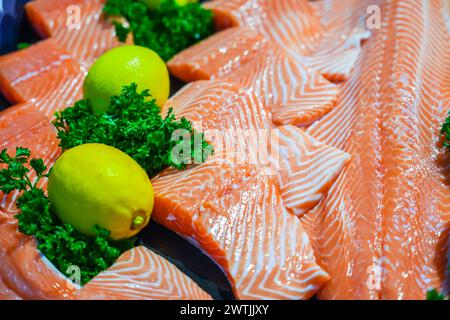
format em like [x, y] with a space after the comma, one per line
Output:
[38, 166]
[166, 30]
[445, 130]
[435, 295]
[60, 243]
[23, 45]
[14, 178]
[135, 126]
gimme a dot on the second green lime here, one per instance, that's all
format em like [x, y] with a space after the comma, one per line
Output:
[122, 66]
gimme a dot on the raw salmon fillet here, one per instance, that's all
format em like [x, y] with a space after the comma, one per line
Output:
[293, 94]
[290, 24]
[23, 270]
[307, 168]
[78, 26]
[6, 293]
[240, 222]
[239, 127]
[211, 204]
[141, 274]
[219, 105]
[24, 126]
[382, 230]
[219, 55]
[347, 24]
[42, 74]
[294, 26]
[345, 16]
[230, 117]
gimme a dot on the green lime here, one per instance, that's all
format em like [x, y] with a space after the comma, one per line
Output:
[122, 66]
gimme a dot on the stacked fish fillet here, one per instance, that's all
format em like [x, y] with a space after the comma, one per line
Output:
[279, 227]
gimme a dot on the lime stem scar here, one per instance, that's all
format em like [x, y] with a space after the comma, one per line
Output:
[138, 221]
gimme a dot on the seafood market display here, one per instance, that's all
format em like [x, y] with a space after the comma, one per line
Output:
[306, 153]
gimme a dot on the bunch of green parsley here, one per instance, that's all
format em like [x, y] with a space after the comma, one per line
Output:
[60, 243]
[166, 30]
[135, 126]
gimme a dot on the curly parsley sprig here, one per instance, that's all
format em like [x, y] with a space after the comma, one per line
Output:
[135, 126]
[435, 295]
[15, 177]
[166, 30]
[60, 243]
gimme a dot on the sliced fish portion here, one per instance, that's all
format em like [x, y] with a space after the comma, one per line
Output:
[44, 75]
[140, 274]
[382, 229]
[303, 29]
[293, 93]
[24, 126]
[78, 26]
[23, 269]
[241, 223]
